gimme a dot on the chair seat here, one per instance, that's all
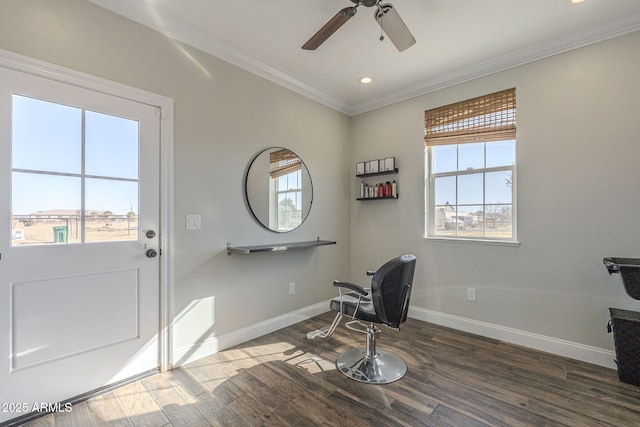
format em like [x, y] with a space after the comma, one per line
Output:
[366, 311]
[386, 302]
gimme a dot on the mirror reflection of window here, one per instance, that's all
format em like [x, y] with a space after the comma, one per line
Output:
[285, 207]
[278, 189]
[289, 201]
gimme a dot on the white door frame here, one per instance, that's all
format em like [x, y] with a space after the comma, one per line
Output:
[53, 72]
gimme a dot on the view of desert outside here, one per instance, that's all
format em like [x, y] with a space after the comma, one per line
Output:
[64, 158]
[500, 230]
[47, 227]
[472, 185]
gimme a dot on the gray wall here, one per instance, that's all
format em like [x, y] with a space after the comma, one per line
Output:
[578, 152]
[578, 198]
[223, 117]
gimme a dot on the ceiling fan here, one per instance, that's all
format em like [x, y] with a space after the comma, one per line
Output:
[385, 14]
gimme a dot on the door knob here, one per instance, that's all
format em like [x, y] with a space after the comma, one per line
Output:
[151, 253]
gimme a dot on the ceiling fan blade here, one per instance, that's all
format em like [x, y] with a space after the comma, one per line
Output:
[394, 27]
[329, 28]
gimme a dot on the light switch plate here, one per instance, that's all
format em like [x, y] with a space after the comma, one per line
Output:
[193, 222]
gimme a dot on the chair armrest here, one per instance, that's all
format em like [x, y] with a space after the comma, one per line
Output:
[352, 286]
[370, 273]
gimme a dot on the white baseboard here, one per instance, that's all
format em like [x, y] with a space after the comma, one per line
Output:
[573, 350]
[585, 353]
[213, 345]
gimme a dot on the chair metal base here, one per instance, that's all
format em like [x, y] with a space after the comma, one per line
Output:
[382, 367]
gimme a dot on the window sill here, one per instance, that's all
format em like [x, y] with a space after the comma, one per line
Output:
[475, 241]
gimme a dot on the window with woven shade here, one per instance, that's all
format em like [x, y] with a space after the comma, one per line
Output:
[470, 159]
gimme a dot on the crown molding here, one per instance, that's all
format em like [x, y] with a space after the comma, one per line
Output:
[176, 29]
[143, 13]
[532, 53]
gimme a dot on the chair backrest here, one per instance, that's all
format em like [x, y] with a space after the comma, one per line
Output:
[391, 290]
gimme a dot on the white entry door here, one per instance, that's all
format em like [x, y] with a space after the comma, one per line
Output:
[79, 240]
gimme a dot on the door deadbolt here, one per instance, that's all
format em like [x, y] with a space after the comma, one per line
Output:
[151, 253]
[150, 234]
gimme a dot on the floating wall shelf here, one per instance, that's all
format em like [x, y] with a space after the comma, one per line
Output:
[378, 198]
[389, 172]
[363, 176]
[277, 247]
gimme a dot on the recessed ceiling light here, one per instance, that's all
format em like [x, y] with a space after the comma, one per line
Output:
[576, 1]
[365, 80]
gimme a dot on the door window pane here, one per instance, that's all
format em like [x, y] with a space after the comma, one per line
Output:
[69, 186]
[111, 146]
[46, 209]
[46, 136]
[111, 210]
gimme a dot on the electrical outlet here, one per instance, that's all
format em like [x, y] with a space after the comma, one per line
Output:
[471, 294]
[292, 288]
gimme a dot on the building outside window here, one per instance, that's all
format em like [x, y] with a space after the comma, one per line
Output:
[470, 169]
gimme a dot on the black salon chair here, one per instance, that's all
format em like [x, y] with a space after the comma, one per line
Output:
[386, 303]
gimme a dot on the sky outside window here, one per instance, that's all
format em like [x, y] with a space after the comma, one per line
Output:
[47, 159]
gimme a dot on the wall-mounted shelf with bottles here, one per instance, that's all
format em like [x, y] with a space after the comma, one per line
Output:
[391, 172]
[369, 190]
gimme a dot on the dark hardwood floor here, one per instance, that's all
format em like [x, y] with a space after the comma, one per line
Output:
[284, 379]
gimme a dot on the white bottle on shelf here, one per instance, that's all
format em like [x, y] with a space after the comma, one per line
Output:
[394, 189]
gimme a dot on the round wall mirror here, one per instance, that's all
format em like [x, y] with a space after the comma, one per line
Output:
[278, 189]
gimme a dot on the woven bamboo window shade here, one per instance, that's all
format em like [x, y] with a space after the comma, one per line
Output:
[283, 162]
[486, 118]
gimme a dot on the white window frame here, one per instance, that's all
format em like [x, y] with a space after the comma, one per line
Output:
[430, 199]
